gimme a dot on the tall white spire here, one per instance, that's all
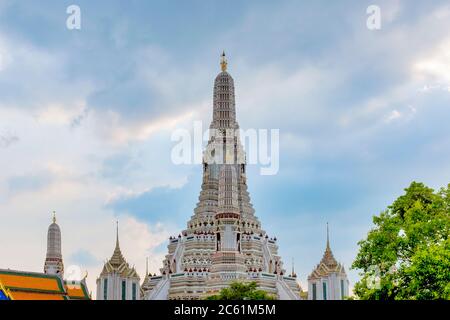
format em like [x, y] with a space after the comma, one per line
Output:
[224, 116]
[53, 261]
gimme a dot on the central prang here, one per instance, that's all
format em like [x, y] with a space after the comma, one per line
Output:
[223, 241]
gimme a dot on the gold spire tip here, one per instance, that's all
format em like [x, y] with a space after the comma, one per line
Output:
[54, 217]
[223, 62]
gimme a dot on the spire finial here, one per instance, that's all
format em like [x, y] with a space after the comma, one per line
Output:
[293, 269]
[223, 62]
[146, 266]
[54, 217]
[328, 236]
[117, 233]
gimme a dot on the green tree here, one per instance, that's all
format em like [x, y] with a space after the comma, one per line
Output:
[407, 254]
[242, 291]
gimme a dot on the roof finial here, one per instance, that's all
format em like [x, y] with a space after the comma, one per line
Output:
[223, 62]
[54, 217]
[146, 266]
[293, 271]
[328, 236]
[117, 233]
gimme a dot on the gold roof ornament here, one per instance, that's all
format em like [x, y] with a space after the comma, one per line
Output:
[117, 258]
[328, 264]
[328, 257]
[223, 62]
[54, 216]
[117, 263]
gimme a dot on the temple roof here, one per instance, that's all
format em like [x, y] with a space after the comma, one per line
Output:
[5, 294]
[117, 263]
[328, 264]
[23, 285]
[328, 258]
[117, 258]
[77, 291]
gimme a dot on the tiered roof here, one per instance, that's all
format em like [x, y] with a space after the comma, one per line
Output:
[24, 285]
[118, 264]
[328, 264]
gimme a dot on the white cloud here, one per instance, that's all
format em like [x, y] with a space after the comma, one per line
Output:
[5, 58]
[119, 132]
[434, 66]
[394, 114]
[7, 139]
[72, 158]
[56, 114]
[137, 240]
[391, 10]
[141, 240]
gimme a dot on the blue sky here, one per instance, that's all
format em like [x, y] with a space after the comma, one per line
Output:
[86, 118]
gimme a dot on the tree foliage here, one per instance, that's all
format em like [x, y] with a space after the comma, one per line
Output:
[242, 291]
[407, 254]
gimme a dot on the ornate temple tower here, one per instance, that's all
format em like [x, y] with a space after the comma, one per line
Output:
[118, 281]
[328, 281]
[223, 241]
[53, 261]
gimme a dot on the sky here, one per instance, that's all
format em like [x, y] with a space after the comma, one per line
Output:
[86, 118]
